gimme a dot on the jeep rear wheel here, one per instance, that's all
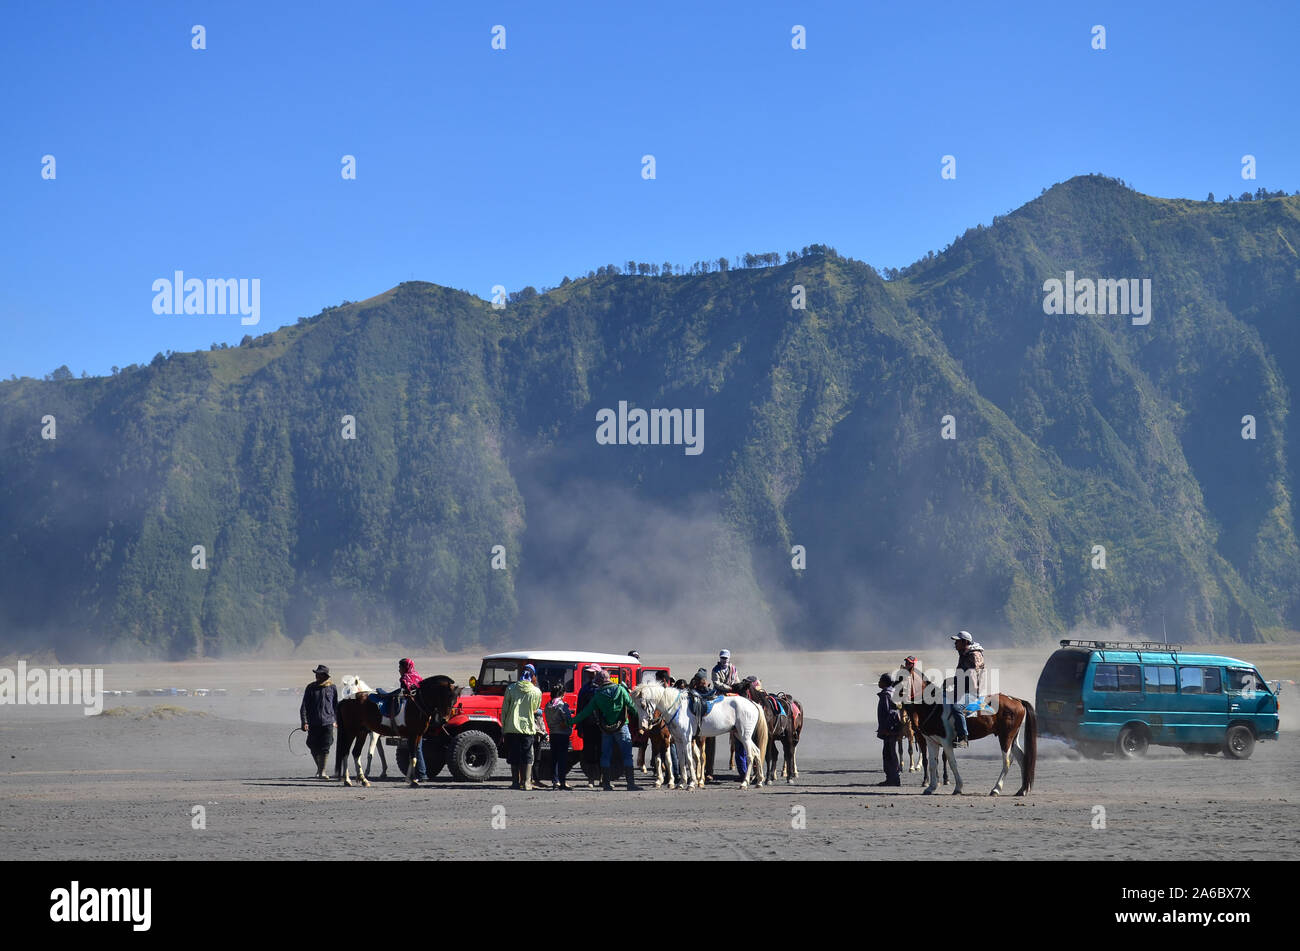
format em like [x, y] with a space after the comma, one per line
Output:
[1132, 742]
[1239, 742]
[435, 756]
[473, 756]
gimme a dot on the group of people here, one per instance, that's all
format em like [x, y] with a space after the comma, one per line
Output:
[605, 714]
[909, 687]
[604, 720]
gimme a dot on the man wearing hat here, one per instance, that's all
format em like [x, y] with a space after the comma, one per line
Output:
[320, 704]
[889, 727]
[611, 707]
[724, 672]
[968, 686]
[913, 682]
[519, 724]
[723, 675]
[589, 732]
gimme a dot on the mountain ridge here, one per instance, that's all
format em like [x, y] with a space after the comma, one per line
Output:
[476, 428]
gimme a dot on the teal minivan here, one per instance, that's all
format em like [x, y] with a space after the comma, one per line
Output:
[1121, 697]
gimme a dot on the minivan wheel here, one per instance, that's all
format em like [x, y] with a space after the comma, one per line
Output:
[1239, 742]
[1091, 750]
[1132, 742]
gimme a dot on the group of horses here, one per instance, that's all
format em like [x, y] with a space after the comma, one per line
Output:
[756, 720]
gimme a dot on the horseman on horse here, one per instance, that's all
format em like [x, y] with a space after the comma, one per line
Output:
[968, 685]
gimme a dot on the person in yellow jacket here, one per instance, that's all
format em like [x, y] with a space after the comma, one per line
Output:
[519, 724]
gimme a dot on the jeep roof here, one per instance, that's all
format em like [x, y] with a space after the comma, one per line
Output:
[562, 657]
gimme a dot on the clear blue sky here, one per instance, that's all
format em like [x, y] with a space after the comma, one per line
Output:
[477, 167]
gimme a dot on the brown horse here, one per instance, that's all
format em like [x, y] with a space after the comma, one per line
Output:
[915, 747]
[784, 717]
[428, 706]
[656, 736]
[1010, 713]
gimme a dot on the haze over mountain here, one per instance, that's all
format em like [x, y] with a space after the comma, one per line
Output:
[823, 428]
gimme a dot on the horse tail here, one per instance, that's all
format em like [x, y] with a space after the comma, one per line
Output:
[761, 730]
[1031, 743]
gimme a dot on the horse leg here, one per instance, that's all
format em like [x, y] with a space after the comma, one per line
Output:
[411, 764]
[932, 747]
[686, 757]
[1008, 743]
[356, 755]
[956, 775]
[341, 755]
[1018, 755]
[740, 739]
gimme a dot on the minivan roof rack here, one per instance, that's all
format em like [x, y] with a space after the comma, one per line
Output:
[1126, 646]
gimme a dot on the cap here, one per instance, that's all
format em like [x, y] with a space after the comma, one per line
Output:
[724, 653]
[962, 636]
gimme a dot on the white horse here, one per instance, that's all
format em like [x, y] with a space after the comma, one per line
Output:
[351, 687]
[729, 714]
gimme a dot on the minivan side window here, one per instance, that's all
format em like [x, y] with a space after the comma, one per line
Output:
[1244, 680]
[1199, 680]
[1160, 678]
[1119, 677]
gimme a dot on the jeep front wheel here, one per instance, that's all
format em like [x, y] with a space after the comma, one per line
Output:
[473, 756]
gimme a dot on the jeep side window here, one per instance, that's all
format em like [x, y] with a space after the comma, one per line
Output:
[548, 674]
[1160, 678]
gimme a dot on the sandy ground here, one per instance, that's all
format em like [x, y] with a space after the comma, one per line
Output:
[125, 786]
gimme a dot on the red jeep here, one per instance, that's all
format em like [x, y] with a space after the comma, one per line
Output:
[473, 740]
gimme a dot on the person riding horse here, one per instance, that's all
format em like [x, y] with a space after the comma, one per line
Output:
[968, 685]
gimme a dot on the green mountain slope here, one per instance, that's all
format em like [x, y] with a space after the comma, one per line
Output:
[476, 428]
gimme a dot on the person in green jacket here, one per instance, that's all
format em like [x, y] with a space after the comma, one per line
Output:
[612, 705]
[519, 725]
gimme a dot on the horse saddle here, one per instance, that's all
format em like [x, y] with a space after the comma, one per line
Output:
[699, 708]
[390, 703]
[778, 707]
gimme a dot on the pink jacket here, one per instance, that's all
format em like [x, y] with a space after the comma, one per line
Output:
[411, 679]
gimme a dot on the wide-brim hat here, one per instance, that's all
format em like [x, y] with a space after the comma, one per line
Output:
[321, 669]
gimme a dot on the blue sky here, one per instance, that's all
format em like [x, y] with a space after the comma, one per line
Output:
[478, 167]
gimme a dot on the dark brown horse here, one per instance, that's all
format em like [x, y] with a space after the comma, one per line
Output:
[1010, 713]
[784, 716]
[428, 707]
